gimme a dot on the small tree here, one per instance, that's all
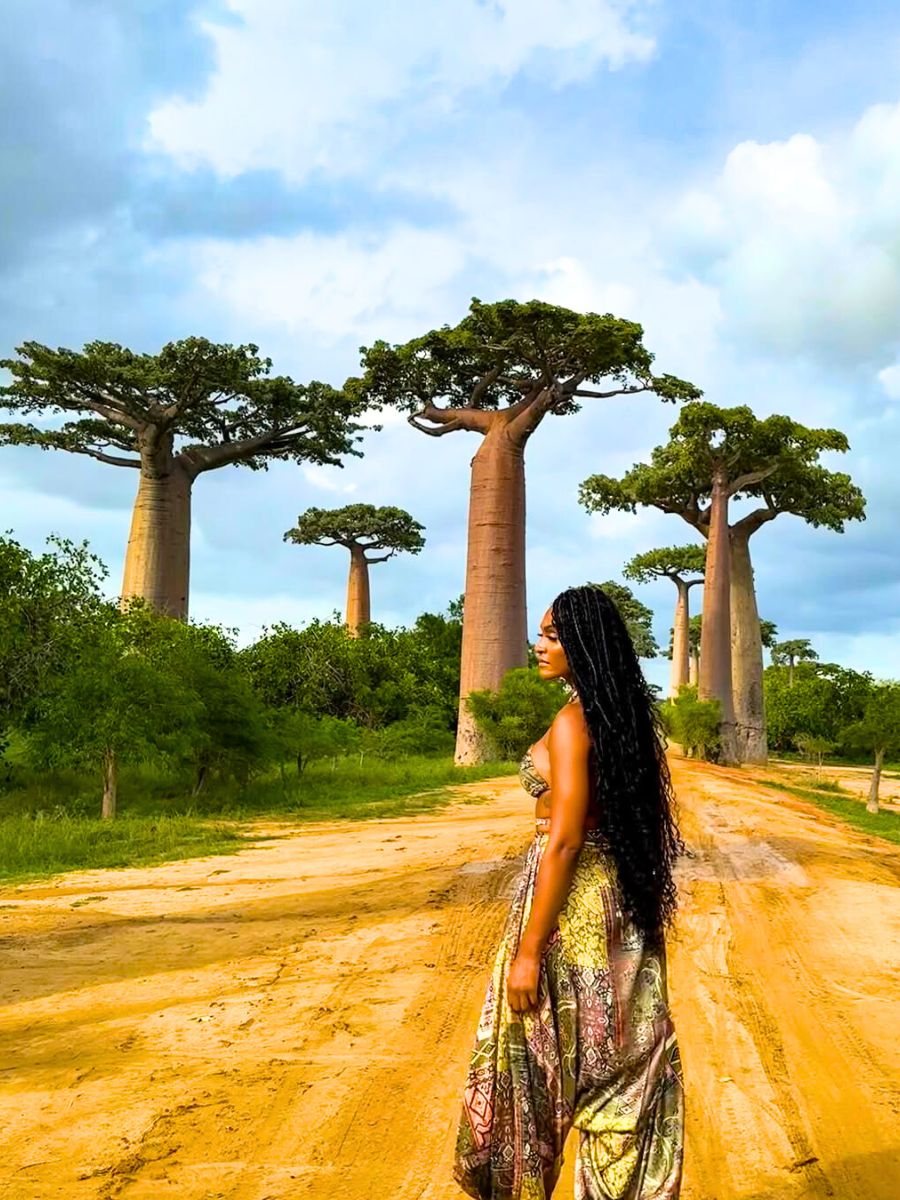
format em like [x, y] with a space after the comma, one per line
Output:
[878, 732]
[814, 748]
[360, 528]
[788, 654]
[112, 705]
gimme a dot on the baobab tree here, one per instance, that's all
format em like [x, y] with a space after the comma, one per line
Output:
[675, 563]
[193, 407]
[789, 653]
[498, 373]
[715, 456]
[361, 528]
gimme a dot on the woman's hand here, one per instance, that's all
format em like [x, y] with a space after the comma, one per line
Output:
[522, 982]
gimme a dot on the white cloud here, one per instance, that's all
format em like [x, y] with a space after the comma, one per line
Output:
[391, 285]
[303, 87]
[324, 478]
[889, 379]
[802, 239]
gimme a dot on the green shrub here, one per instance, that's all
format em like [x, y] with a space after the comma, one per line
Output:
[693, 723]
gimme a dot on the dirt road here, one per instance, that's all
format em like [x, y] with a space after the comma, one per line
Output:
[295, 1021]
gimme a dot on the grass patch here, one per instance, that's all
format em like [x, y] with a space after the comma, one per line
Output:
[49, 823]
[882, 824]
[35, 848]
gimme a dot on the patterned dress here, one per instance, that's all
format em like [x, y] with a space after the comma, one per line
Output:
[599, 1052]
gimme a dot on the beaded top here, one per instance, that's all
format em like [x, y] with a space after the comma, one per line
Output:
[530, 777]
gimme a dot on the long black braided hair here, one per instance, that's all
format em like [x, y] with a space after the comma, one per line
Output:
[630, 775]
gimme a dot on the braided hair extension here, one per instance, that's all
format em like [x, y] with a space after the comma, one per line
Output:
[630, 773]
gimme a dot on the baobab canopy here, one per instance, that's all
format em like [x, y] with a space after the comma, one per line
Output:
[218, 399]
[534, 357]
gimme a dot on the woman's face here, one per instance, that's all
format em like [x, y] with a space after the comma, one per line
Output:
[551, 658]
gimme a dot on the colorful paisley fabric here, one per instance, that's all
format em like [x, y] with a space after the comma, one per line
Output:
[598, 1053]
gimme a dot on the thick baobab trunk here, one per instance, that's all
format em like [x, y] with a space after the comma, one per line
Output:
[494, 614]
[715, 634]
[694, 668]
[157, 562]
[110, 785]
[358, 605]
[872, 802]
[680, 640]
[746, 655]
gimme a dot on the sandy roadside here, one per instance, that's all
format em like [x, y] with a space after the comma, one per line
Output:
[295, 1021]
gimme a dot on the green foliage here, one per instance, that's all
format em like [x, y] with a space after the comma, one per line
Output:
[364, 525]
[502, 352]
[636, 615]
[519, 713]
[692, 723]
[878, 729]
[384, 677]
[823, 699]
[219, 399]
[46, 603]
[670, 562]
[768, 631]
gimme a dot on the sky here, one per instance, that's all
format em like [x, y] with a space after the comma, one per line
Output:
[311, 178]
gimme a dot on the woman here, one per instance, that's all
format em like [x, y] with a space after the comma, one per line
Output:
[575, 1028]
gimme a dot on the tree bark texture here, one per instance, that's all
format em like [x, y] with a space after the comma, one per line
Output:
[680, 640]
[358, 603]
[872, 802]
[157, 562]
[694, 668]
[715, 634]
[494, 618]
[746, 655]
[110, 785]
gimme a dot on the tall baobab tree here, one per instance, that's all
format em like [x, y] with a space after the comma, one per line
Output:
[715, 456]
[675, 563]
[498, 373]
[791, 652]
[361, 528]
[172, 416]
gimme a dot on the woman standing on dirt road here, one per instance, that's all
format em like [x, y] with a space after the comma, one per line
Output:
[576, 1028]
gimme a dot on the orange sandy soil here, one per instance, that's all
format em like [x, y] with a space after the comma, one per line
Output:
[295, 1021]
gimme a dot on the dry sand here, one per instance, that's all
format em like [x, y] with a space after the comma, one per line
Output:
[295, 1021]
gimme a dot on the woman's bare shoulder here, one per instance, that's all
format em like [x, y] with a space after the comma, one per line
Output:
[569, 726]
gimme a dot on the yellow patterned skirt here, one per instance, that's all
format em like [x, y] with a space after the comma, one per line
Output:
[599, 1052]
